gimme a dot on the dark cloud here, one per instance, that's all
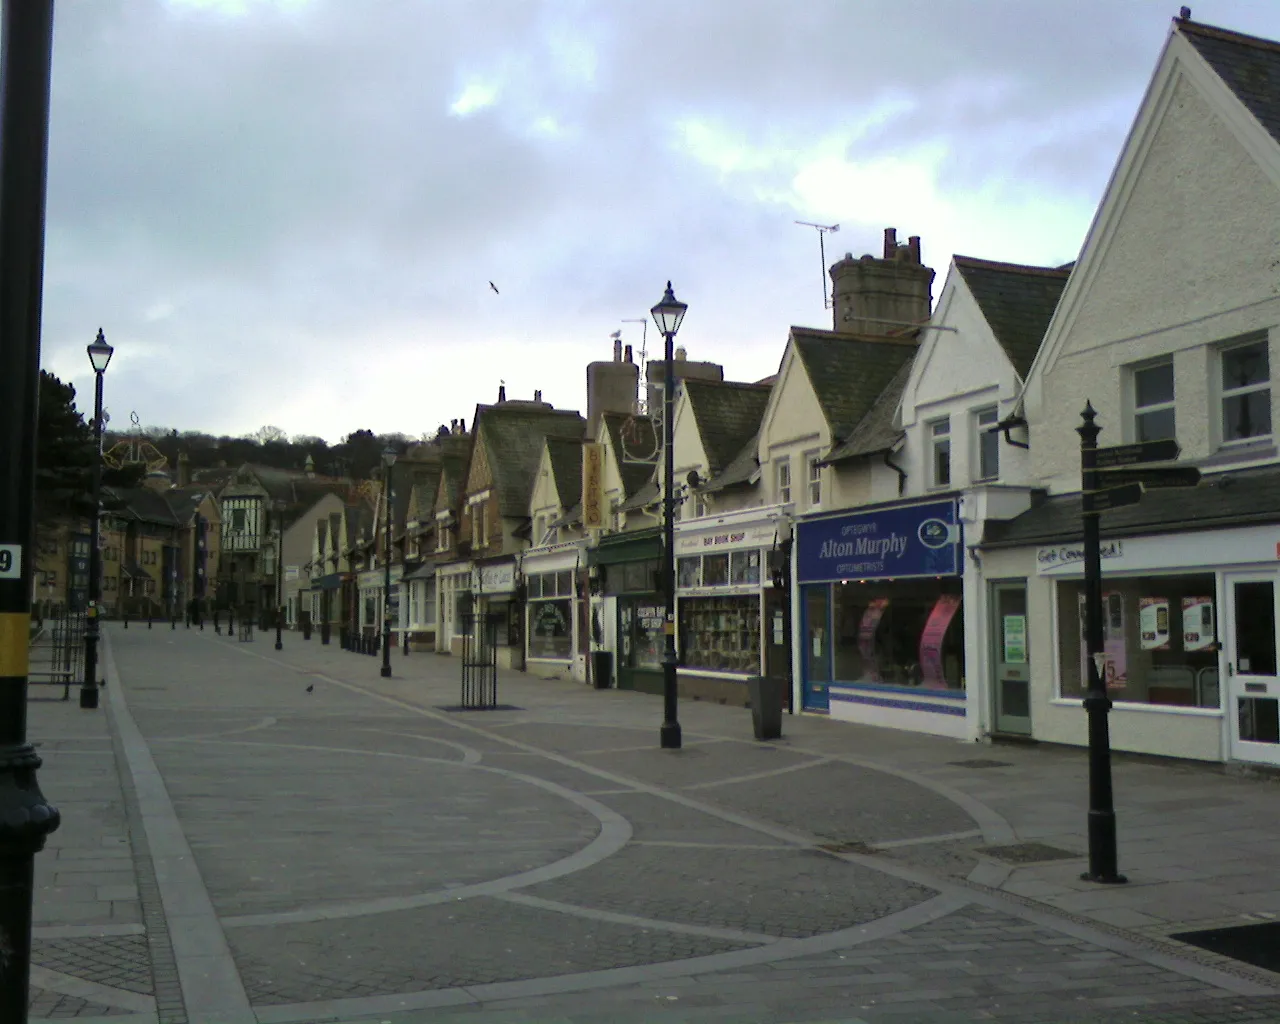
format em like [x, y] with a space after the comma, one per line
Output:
[276, 215]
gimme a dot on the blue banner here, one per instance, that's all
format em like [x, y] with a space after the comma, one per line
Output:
[888, 543]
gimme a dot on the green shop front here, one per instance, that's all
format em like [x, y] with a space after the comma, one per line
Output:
[629, 609]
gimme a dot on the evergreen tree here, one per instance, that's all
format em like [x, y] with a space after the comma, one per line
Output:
[64, 454]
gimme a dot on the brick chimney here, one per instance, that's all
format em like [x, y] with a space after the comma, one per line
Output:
[611, 386]
[883, 296]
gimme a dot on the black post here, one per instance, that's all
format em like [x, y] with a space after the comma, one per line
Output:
[26, 818]
[386, 584]
[670, 732]
[279, 578]
[1102, 814]
[89, 685]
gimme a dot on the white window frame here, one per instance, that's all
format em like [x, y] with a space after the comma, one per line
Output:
[1224, 392]
[813, 485]
[1137, 410]
[938, 439]
[980, 431]
[782, 478]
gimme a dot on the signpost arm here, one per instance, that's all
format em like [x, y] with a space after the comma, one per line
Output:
[1102, 815]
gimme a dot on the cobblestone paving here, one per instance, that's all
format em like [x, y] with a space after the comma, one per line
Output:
[466, 943]
[122, 961]
[656, 819]
[788, 893]
[53, 1005]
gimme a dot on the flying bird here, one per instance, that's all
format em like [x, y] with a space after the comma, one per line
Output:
[495, 288]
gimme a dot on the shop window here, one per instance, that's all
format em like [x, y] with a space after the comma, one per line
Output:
[940, 453]
[715, 570]
[903, 633]
[551, 628]
[1159, 640]
[643, 641]
[1246, 391]
[689, 571]
[1153, 404]
[721, 634]
[784, 480]
[744, 567]
[564, 583]
[815, 481]
[988, 444]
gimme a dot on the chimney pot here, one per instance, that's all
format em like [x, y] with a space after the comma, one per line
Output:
[890, 242]
[617, 349]
[502, 392]
[913, 246]
[628, 358]
[537, 396]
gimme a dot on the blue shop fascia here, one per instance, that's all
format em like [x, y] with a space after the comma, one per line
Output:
[881, 615]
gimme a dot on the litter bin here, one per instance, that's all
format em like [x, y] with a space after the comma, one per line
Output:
[766, 706]
[602, 669]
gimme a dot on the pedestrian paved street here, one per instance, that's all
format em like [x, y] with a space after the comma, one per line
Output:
[272, 837]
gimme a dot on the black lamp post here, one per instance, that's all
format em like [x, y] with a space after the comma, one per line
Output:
[668, 314]
[26, 817]
[279, 573]
[388, 460]
[99, 356]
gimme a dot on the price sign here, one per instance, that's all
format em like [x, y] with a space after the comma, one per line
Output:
[10, 561]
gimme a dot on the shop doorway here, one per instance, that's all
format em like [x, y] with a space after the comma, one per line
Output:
[777, 648]
[1253, 688]
[1011, 684]
[816, 656]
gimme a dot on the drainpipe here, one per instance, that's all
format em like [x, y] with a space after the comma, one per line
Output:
[902, 473]
[1007, 424]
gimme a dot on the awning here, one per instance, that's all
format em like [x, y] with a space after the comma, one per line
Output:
[427, 571]
[629, 546]
[331, 582]
[132, 570]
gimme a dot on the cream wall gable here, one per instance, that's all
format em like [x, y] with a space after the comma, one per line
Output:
[793, 427]
[688, 447]
[1182, 254]
[545, 497]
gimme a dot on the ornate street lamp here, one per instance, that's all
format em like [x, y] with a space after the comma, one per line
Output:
[388, 460]
[668, 315]
[99, 356]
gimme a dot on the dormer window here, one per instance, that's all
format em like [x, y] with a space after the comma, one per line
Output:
[940, 452]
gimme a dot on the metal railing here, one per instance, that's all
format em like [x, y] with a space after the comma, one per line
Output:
[57, 652]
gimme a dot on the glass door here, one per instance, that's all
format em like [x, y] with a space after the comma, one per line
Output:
[817, 647]
[1011, 685]
[1253, 689]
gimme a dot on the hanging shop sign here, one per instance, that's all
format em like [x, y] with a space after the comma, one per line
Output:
[888, 543]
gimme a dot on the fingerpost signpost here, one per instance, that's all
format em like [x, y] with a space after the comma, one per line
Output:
[1108, 483]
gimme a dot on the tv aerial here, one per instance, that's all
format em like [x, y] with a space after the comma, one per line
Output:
[827, 301]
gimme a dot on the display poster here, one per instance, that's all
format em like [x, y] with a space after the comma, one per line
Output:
[1153, 623]
[876, 608]
[1115, 668]
[931, 637]
[1198, 629]
[1015, 639]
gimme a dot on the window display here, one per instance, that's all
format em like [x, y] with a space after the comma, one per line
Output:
[551, 628]
[721, 634]
[1159, 640]
[904, 633]
[640, 632]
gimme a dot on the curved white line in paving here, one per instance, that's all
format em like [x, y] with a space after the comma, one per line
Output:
[469, 754]
[263, 723]
[615, 832]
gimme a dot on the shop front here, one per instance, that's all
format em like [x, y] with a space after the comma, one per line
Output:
[629, 613]
[453, 601]
[494, 600]
[418, 604]
[882, 637]
[556, 637]
[1191, 628]
[721, 588]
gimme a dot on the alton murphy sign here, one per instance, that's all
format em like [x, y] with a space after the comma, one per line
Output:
[910, 540]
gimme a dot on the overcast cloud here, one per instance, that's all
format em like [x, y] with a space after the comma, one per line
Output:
[288, 211]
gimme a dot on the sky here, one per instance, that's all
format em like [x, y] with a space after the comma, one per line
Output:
[289, 212]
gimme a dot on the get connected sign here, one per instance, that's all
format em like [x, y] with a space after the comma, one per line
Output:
[890, 543]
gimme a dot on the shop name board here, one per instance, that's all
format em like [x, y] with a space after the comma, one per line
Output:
[729, 538]
[1050, 558]
[910, 540]
[493, 579]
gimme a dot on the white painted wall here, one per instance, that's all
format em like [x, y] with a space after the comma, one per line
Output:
[793, 427]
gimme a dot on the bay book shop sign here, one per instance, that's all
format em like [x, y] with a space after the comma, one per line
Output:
[887, 543]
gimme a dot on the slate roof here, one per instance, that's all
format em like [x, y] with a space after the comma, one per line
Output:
[514, 433]
[1236, 498]
[453, 469]
[878, 432]
[566, 466]
[634, 474]
[184, 501]
[140, 503]
[727, 415]
[1249, 66]
[849, 371]
[1017, 301]
[741, 469]
[648, 494]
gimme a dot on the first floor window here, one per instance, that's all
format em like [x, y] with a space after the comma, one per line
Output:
[1153, 405]
[815, 481]
[1159, 640]
[988, 444]
[784, 480]
[1246, 391]
[940, 469]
